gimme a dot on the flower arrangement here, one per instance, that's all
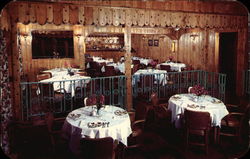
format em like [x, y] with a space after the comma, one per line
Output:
[198, 90]
[66, 64]
[153, 63]
[96, 100]
[171, 58]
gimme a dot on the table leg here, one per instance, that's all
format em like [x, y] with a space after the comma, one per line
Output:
[216, 130]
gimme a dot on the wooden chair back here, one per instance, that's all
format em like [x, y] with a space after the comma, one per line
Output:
[96, 148]
[203, 122]
[197, 123]
[43, 76]
[154, 99]
[165, 67]
[109, 71]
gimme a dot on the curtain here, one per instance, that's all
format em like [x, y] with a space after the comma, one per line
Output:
[5, 94]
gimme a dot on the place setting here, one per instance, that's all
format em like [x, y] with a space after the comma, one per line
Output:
[74, 116]
[120, 112]
[98, 124]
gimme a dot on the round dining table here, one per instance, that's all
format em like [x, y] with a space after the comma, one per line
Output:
[179, 102]
[111, 121]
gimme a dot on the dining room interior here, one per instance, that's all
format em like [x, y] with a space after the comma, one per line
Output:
[123, 79]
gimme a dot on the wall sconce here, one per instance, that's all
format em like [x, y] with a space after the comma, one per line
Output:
[177, 29]
[78, 36]
[24, 34]
[174, 46]
[193, 36]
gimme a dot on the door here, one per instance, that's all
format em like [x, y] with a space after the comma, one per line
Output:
[228, 61]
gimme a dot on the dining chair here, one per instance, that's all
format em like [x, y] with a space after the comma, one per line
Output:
[157, 120]
[43, 76]
[92, 100]
[79, 97]
[54, 127]
[96, 148]
[197, 124]
[156, 101]
[52, 98]
[235, 125]
[134, 62]
[165, 67]
[109, 71]
[135, 68]
[82, 73]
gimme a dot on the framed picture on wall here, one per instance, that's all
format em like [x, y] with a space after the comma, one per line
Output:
[156, 42]
[150, 42]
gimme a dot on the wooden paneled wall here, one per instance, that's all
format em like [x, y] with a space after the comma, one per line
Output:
[194, 48]
[31, 67]
[160, 52]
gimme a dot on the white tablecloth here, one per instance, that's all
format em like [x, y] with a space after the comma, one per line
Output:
[142, 60]
[119, 127]
[160, 75]
[61, 71]
[173, 65]
[178, 103]
[70, 84]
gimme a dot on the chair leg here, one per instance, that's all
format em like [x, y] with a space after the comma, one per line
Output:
[218, 136]
[187, 136]
[206, 141]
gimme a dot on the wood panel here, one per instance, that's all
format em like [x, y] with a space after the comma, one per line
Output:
[45, 64]
[194, 48]
[180, 13]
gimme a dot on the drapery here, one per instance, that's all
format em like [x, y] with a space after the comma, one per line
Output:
[5, 95]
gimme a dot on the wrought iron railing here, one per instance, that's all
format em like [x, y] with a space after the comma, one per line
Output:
[247, 82]
[39, 97]
[168, 84]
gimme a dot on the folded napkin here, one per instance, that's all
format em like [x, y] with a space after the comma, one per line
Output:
[216, 101]
[97, 124]
[74, 116]
[176, 97]
[120, 112]
[192, 106]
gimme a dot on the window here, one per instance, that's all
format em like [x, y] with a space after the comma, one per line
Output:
[52, 44]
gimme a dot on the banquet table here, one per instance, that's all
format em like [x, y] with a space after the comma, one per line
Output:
[159, 75]
[61, 71]
[179, 102]
[112, 122]
[142, 60]
[173, 65]
[67, 82]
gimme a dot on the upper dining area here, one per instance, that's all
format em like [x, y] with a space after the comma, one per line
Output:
[124, 79]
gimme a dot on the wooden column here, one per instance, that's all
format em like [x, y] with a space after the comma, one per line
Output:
[79, 45]
[83, 48]
[15, 67]
[127, 43]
